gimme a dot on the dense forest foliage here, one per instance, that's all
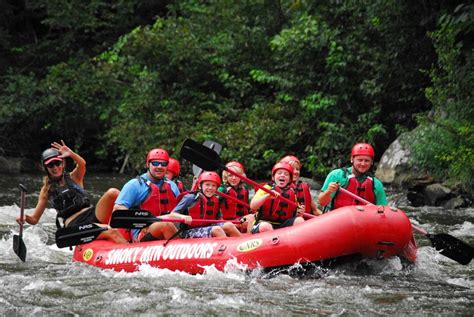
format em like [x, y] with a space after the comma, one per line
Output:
[263, 77]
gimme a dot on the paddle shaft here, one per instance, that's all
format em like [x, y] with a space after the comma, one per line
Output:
[22, 208]
[255, 184]
[233, 199]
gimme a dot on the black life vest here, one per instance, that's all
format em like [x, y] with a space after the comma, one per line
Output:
[69, 198]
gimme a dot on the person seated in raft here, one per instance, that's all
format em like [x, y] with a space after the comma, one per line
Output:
[203, 204]
[272, 212]
[153, 192]
[66, 194]
[235, 187]
[301, 188]
[357, 179]
[172, 173]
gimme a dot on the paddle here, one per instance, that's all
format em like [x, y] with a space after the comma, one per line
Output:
[74, 235]
[446, 244]
[18, 244]
[216, 147]
[138, 219]
[209, 160]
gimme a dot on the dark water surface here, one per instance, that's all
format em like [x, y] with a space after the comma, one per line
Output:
[48, 283]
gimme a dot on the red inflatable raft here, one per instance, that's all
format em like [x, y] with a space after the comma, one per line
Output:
[366, 231]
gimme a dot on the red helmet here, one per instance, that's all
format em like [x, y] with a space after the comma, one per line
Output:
[363, 149]
[174, 166]
[157, 154]
[282, 165]
[235, 164]
[210, 177]
[291, 159]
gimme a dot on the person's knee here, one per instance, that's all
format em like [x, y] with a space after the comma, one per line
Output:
[112, 193]
[217, 232]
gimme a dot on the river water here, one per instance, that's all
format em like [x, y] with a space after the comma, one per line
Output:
[48, 283]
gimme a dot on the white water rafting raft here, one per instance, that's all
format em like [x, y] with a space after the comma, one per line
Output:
[363, 231]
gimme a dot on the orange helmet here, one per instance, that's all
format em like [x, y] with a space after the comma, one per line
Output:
[291, 159]
[235, 164]
[210, 177]
[363, 149]
[157, 154]
[284, 166]
[174, 166]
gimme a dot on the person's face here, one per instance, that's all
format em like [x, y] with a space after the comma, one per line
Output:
[208, 188]
[361, 163]
[157, 169]
[281, 178]
[296, 172]
[232, 179]
[169, 175]
[55, 169]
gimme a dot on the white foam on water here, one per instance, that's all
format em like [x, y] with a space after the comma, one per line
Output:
[463, 230]
[461, 282]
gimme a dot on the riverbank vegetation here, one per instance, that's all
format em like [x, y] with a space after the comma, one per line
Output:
[264, 78]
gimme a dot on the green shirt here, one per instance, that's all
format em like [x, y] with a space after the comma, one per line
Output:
[339, 176]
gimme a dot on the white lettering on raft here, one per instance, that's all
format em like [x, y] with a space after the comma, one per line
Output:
[158, 252]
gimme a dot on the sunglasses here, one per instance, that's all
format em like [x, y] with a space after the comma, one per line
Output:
[53, 164]
[158, 163]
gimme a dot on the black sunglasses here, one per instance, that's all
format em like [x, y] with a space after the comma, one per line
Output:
[53, 164]
[158, 163]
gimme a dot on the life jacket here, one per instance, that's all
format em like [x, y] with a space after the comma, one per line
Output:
[160, 198]
[69, 198]
[303, 195]
[242, 195]
[180, 185]
[276, 210]
[204, 208]
[364, 190]
[228, 206]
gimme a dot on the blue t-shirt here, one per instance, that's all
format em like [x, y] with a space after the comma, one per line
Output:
[134, 192]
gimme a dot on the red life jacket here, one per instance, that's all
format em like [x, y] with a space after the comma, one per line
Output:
[364, 190]
[160, 199]
[180, 185]
[276, 210]
[204, 208]
[228, 206]
[242, 195]
[303, 195]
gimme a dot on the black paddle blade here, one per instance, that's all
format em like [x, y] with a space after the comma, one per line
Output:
[201, 155]
[19, 247]
[74, 235]
[452, 247]
[213, 145]
[132, 219]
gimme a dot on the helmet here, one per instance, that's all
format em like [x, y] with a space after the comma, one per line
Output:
[291, 159]
[235, 164]
[209, 176]
[363, 149]
[50, 155]
[284, 166]
[157, 154]
[174, 166]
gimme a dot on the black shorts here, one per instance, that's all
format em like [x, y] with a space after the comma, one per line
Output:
[87, 216]
[286, 223]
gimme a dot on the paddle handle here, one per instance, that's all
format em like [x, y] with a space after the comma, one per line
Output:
[22, 208]
[255, 184]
